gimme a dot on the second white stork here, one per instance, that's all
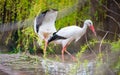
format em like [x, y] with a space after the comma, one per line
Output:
[67, 34]
[44, 25]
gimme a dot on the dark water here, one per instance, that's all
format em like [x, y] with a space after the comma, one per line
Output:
[9, 70]
[22, 73]
[3, 73]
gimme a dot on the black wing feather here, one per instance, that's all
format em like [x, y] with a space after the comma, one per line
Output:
[39, 20]
[55, 37]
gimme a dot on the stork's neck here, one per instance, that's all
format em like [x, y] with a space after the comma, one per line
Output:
[84, 28]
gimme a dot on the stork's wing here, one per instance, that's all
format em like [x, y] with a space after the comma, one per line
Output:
[39, 19]
[55, 37]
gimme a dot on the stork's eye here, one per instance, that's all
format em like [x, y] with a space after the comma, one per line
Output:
[89, 23]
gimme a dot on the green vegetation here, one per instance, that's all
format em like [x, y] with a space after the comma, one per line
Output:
[116, 49]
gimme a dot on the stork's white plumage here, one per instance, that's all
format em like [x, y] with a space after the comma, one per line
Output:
[44, 25]
[67, 34]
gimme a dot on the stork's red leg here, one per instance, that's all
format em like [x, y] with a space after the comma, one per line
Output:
[70, 55]
[45, 46]
[64, 48]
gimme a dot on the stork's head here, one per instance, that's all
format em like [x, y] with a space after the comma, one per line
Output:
[90, 25]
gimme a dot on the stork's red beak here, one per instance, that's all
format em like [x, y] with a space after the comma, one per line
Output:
[93, 29]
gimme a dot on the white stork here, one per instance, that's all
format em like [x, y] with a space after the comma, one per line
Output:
[44, 25]
[67, 34]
